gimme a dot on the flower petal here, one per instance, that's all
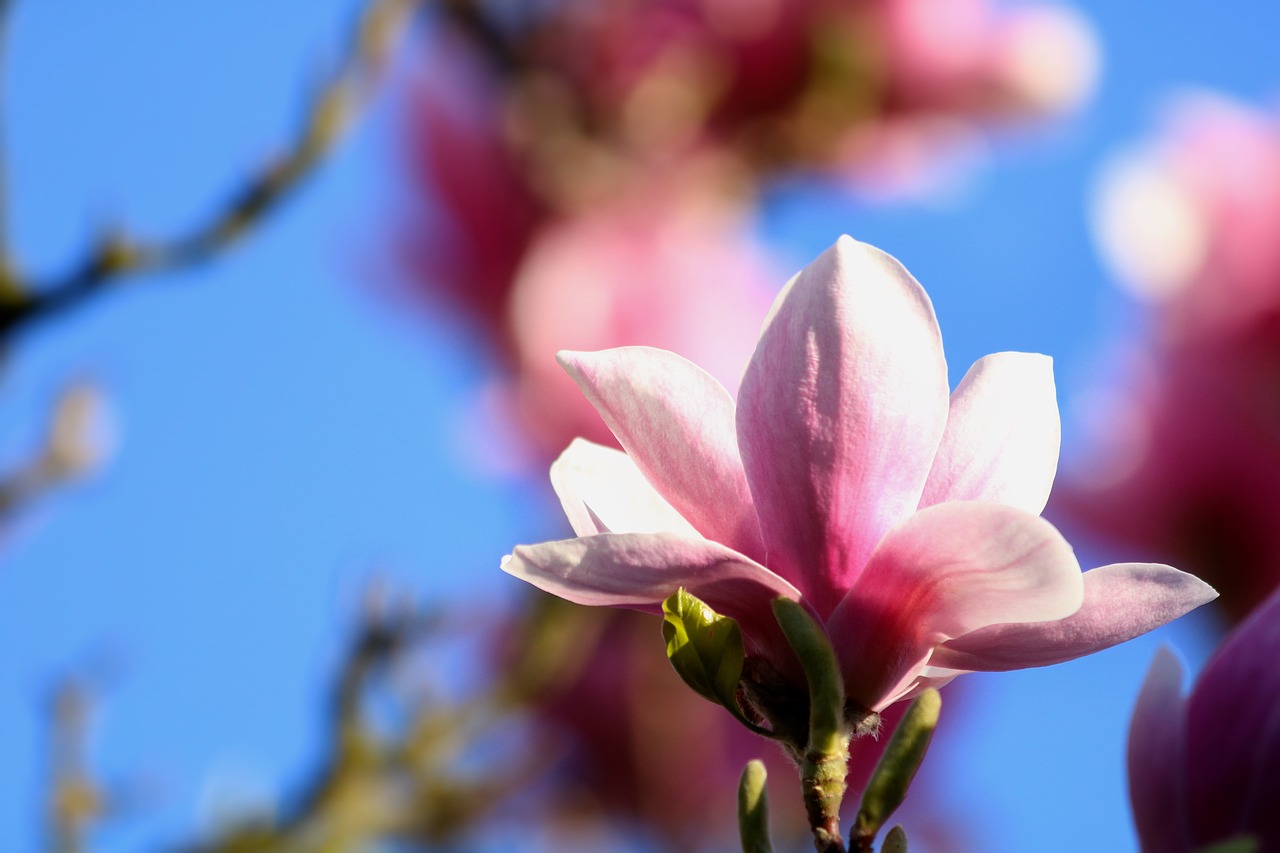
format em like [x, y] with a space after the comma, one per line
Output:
[928, 677]
[840, 414]
[639, 570]
[1121, 601]
[1234, 764]
[676, 423]
[948, 570]
[602, 491]
[1157, 750]
[1002, 437]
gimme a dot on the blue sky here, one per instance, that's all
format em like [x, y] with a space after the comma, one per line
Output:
[285, 434]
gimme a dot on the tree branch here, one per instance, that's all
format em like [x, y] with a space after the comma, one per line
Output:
[117, 257]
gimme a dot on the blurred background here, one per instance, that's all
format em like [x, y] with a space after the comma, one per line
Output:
[279, 292]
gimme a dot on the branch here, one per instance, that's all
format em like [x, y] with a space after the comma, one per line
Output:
[117, 257]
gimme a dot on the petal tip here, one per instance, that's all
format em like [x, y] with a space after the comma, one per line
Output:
[568, 359]
[1167, 664]
[1195, 592]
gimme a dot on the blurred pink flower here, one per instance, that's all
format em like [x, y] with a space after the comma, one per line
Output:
[1188, 220]
[1188, 223]
[639, 745]
[843, 478]
[678, 274]
[470, 213]
[1206, 769]
[965, 56]
[764, 56]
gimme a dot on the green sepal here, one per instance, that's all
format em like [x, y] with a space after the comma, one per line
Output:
[706, 650]
[827, 731]
[753, 809]
[888, 785]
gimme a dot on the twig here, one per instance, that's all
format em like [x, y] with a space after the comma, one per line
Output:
[75, 801]
[116, 257]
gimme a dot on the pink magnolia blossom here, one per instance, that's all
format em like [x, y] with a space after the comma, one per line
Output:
[1206, 769]
[846, 478]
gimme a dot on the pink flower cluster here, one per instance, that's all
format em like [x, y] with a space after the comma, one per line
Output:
[602, 153]
[1189, 464]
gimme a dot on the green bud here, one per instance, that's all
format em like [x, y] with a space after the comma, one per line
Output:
[706, 650]
[703, 646]
[827, 734]
[895, 841]
[753, 809]
[888, 785]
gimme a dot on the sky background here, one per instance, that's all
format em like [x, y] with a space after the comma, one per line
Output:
[284, 433]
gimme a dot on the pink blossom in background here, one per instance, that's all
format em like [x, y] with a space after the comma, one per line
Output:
[970, 56]
[1188, 223]
[785, 82]
[509, 126]
[468, 211]
[844, 478]
[639, 746]
[1188, 219]
[676, 273]
[1205, 769]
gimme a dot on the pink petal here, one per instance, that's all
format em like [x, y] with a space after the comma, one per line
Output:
[840, 414]
[640, 570]
[1233, 735]
[927, 677]
[676, 423]
[1157, 771]
[1121, 602]
[602, 491]
[1002, 436]
[948, 570]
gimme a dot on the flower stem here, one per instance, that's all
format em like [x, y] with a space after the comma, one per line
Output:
[822, 778]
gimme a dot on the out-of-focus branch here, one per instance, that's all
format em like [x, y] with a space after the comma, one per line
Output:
[428, 778]
[118, 256]
[377, 786]
[75, 800]
[69, 449]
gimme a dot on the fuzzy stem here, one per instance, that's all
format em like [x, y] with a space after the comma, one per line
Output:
[822, 778]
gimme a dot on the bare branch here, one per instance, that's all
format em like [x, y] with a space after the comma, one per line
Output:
[117, 257]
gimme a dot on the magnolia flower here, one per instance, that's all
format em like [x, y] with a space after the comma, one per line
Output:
[844, 478]
[1205, 769]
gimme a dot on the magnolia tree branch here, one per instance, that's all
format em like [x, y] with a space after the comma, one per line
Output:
[70, 448]
[414, 783]
[74, 800]
[117, 256]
